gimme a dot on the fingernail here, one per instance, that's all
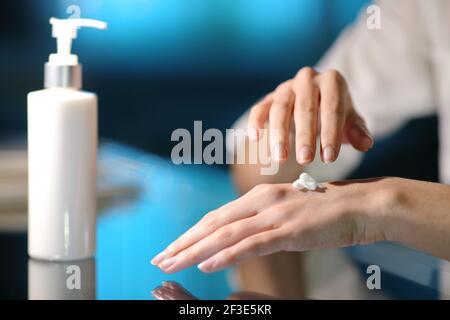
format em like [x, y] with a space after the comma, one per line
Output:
[329, 154]
[279, 152]
[305, 154]
[155, 292]
[252, 134]
[158, 258]
[158, 294]
[367, 143]
[367, 139]
[206, 265]
[166, 264]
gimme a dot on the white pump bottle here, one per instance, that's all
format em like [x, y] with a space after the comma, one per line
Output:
[62, 151]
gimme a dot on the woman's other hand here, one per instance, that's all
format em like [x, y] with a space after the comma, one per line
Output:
[320, 105]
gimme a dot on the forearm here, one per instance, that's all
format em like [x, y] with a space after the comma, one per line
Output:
[417, 214]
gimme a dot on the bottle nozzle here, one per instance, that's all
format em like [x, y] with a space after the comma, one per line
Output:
[65, 30]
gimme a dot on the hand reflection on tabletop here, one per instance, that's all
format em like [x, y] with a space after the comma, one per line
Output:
[170, 290]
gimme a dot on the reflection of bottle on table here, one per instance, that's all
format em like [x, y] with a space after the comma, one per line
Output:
[73, 280]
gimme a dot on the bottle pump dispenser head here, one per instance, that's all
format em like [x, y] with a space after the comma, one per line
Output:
[62, 68]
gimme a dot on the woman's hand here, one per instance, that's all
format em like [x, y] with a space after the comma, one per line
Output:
[321, 105]
[272, 218]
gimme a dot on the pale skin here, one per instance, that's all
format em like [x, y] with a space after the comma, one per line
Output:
[320, 105]
[274, 218]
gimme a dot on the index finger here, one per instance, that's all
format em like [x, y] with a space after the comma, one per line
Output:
[258, 116]
[208, 224]
[332, 115]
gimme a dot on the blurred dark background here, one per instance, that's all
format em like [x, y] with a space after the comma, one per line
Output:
[164, 63]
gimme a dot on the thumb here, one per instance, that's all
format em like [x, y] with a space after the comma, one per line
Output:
[357, 134]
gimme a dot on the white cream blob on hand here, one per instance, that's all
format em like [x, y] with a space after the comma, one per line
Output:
[305, 181]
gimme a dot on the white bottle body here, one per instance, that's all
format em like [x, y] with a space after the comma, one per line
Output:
[62, 152]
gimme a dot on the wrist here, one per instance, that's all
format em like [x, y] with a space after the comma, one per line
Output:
[388, 207]
[377, 210]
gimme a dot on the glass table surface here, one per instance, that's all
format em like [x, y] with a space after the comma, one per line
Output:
[145, 202]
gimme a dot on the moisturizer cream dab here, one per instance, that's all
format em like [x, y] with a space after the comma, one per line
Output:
[305, 181]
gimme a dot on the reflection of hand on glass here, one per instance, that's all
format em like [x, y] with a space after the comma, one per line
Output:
[170, 290]
[173, 291]
[273, 218]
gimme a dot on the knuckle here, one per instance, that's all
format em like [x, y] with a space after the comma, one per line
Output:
[211, 221]
[266, 98]
[192, 254]
[271, 188]
[333, 74]
[264, 187]
[272, 191]
[258, 188]
[274, 240]
[270, 221]
[258, 117]
[288, 231]
[226, 233]
[279, 105]
[208, 215]
[173, 249]
[277, 191]
[281, 99]
[256, 113]
[335, 78]
[282, 212]
[257, 245]
[289, 239]
[283, 87]
[277, 188]
[306, 72]
[229, 256]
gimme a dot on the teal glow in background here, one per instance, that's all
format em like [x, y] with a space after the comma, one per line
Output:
[179, 36]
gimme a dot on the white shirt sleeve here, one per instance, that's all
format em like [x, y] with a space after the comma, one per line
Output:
[388, 72]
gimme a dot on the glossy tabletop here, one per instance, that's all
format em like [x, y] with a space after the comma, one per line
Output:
[162, 202]
[145, 202]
